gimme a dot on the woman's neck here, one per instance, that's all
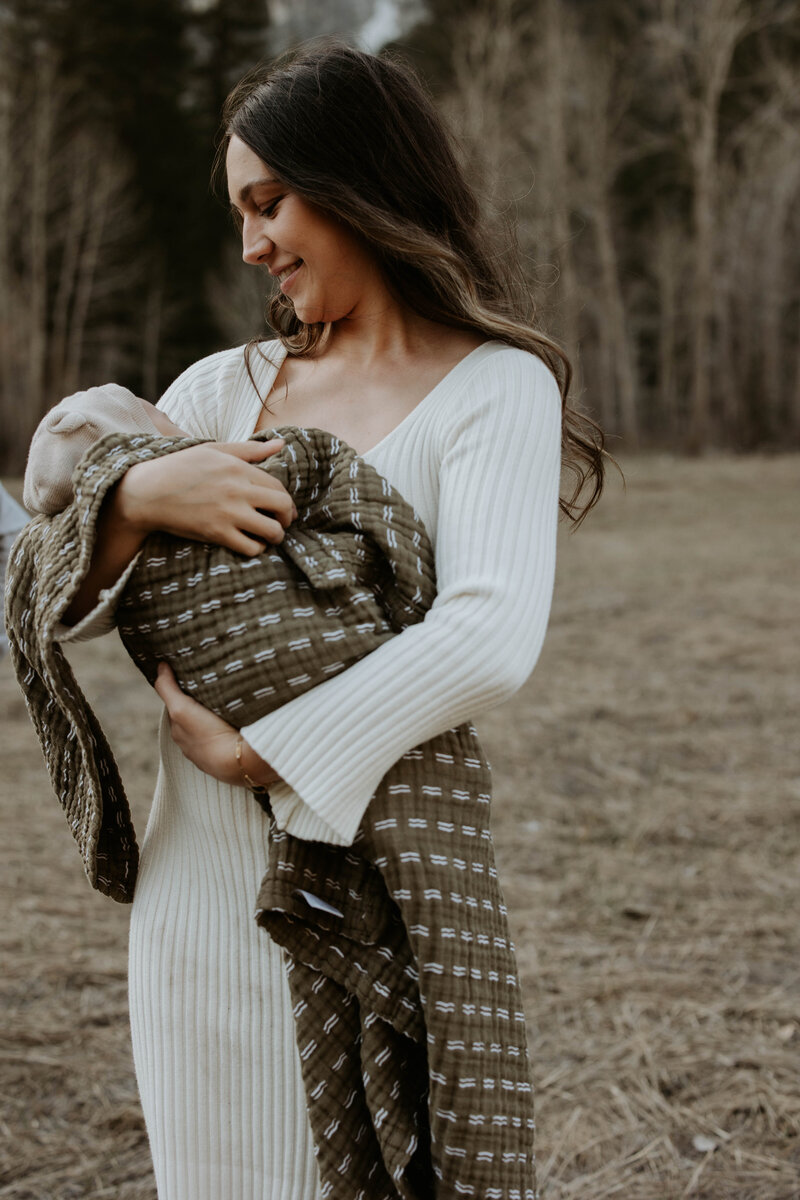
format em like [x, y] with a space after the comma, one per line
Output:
[385, 332]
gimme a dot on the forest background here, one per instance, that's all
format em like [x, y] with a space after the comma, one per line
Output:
[648, 152]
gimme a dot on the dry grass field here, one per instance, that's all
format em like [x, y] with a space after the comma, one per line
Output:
[647, 816]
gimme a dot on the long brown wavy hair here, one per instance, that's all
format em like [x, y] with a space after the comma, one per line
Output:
[358, 135]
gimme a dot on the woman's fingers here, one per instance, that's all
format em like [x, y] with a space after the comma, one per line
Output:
[166, 686]
[251, 451]
[260, 531]
[257, 452]
[171, 696]
[183, 711]
[203, 737]
[270, 494]
[208, 492]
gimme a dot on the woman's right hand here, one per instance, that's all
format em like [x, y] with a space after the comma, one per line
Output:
[209, 493]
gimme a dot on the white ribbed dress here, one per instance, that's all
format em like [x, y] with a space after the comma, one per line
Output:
[212, 1026]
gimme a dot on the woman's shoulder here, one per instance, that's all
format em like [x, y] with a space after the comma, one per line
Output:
[212, 370]
[503, 361]
[194, 397]
[500, 378]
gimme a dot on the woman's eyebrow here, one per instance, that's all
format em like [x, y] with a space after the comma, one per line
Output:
[264, 181]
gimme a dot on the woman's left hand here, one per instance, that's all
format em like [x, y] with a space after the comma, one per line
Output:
[205, 739]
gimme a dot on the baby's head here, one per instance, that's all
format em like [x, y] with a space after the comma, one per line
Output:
[69, 429]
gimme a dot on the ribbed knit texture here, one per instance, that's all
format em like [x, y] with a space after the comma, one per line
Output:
[211, 1016]
[213, 1031]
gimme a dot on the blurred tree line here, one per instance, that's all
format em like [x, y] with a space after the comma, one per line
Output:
[646, 149]
[649, 151]
[114, 253]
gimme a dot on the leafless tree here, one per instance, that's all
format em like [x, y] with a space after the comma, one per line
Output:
[508, 104]
[65, 218]
[600, 106]
[698, 42]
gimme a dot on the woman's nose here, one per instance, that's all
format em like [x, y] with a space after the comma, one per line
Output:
[256, 246]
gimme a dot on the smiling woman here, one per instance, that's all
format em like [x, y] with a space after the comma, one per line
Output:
[400, 331]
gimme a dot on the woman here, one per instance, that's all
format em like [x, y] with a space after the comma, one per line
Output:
[399, 331]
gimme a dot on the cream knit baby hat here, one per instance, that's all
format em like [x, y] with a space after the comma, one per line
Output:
[67, 432]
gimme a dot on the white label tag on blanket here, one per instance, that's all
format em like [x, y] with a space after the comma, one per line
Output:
[317, 903]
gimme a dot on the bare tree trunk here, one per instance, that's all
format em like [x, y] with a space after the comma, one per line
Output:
[77, 215]
[794, 398]
[773, 290]
[603, 379]
[151, 335]
[40, 175]
[484, 59]
[90, 253]
[556, 168]
[729, 381]
[703, 161]
[614, 325]
[667, 265]
[7, 349]
[64, 213]
[704, 38]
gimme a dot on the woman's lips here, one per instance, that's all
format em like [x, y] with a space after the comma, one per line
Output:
[285, 283]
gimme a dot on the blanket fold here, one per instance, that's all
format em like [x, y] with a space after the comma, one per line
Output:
[47, 564]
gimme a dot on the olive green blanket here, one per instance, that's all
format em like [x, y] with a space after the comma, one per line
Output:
[407, 1004]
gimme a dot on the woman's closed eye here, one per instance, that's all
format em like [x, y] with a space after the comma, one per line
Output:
[265, 210]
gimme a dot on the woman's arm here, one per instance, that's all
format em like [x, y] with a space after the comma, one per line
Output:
[198, 401]
[115, 546]
[212, 493]
[495, 562]
[206, 740]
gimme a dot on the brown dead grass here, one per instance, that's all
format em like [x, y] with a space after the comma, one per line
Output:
[648, 832]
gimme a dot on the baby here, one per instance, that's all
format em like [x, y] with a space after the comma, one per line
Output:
[69, 429]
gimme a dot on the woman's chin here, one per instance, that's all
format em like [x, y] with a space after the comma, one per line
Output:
[308, 314]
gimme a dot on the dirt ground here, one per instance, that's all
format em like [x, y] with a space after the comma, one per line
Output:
[647, 817]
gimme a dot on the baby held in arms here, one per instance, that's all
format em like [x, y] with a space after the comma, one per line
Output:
[71, 428]
[353, 569]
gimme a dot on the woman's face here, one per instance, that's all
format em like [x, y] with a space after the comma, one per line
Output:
[325, 269]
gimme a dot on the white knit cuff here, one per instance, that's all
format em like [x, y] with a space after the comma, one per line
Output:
[101, 619]
[294, 816]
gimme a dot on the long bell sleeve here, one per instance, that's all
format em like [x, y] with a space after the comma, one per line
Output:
[190, 402]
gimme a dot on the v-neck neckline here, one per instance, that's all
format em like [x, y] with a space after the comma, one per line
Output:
[447, 379]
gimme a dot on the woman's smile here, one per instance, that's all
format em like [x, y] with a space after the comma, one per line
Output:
[288, 273]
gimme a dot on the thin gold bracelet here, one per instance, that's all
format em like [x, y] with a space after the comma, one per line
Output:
[259, 788]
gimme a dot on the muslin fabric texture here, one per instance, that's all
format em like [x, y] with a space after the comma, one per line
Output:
[245, 635]
[214, 1036]
[408, 1010]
